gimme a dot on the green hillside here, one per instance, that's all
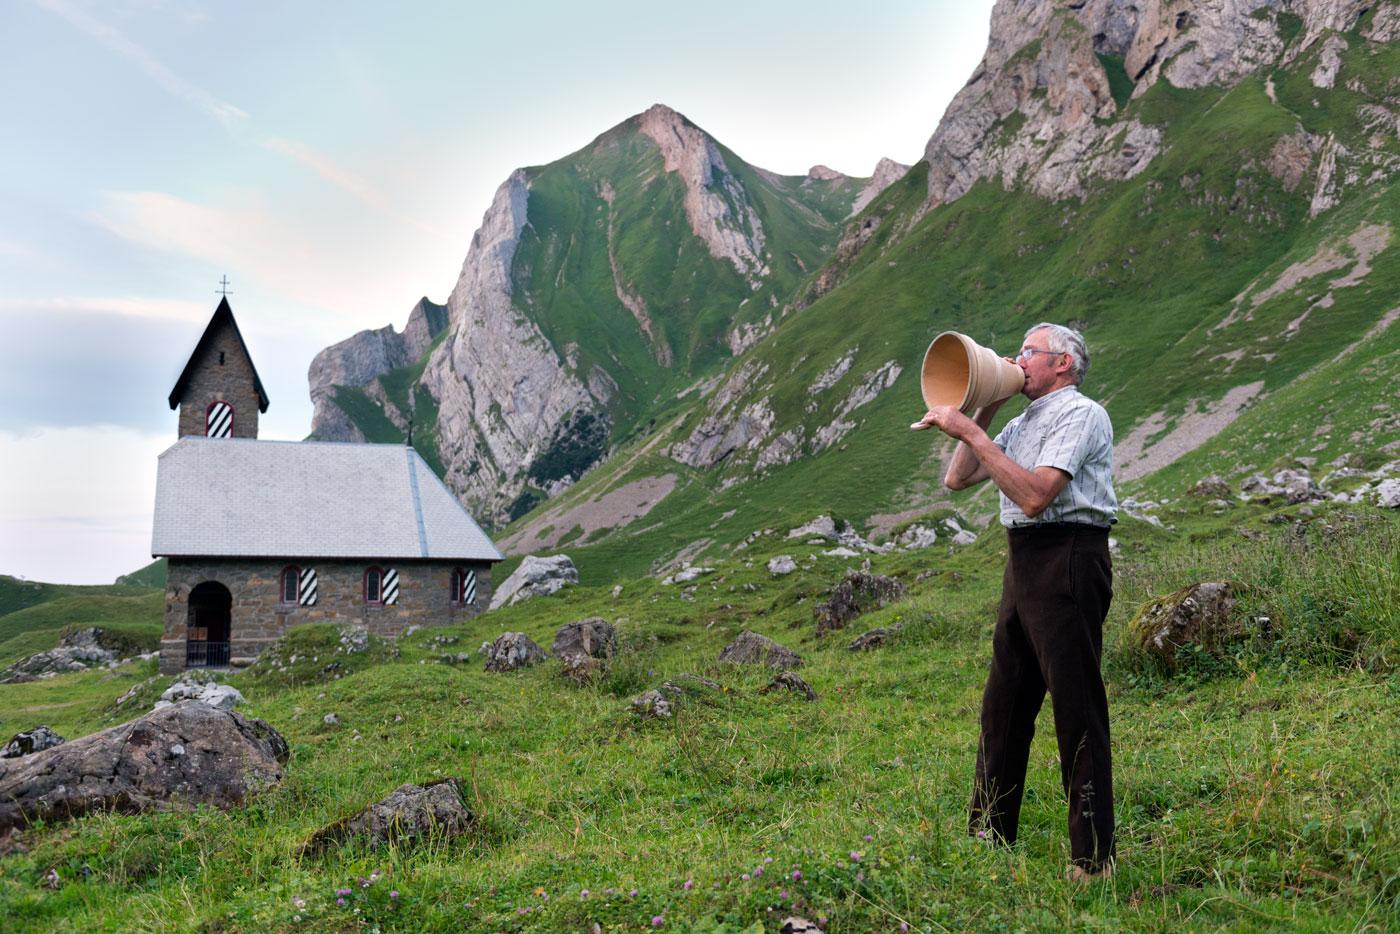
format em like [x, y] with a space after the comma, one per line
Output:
[1204, 287]
[1255, 789]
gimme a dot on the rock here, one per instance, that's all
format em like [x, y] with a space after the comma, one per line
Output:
[964, 537]
[594, 638]
[128, 768]
[795, 924]
[841, 551]
[859, 592]
[1201, 614]
[750, 648]
[1295, 485]
[687, 574]
[31, 741]
[410, 814]
[222, 696]
[1212, 487]
[791, 681]
[536, 577]
[650, 705]
[821, 526]
[917, 536]
[782, 564]
[873, 639]
[1388, 494]
[512, 651]
[330, 719]
[78, 651]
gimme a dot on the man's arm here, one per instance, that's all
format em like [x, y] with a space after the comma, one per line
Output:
[977, 458]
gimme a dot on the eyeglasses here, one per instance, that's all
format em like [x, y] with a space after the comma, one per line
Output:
[1026, 354]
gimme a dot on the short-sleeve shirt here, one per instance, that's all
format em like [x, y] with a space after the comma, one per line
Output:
[1072, 432]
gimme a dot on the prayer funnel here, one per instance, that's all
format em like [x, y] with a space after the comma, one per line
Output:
[960, 372]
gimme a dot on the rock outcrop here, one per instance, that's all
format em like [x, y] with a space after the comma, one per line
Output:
[751, 648]
[27, 742]
[1038, 110]
[859, 592]
[1202, 615]
[409, 814]
[512, 651]
[188, 754]
[535, 577]
[359, 360]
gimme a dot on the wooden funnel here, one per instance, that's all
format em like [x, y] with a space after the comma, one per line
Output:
[959, 371]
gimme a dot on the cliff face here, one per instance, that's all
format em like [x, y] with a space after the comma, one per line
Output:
[1039, 110]
[595, 286]
[359, 360]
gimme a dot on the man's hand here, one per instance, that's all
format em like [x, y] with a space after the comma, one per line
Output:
[949, 420]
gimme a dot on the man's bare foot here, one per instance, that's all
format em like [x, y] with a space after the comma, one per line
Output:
[1078, 875]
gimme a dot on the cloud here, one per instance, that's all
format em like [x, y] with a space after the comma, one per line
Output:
[329, 269]
[130, 306]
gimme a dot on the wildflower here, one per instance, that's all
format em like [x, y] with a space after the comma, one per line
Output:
[539, 890]
[868, 838]
[860, 877]
[689, 884]
[364, 883]
[583, 894]
[768, 859]
[782, 894]
[632, 892]
[904, 925]
[745, 877]
[394, 893]
[855, 857]
[340, 902]
[657, 921]
[796, 876]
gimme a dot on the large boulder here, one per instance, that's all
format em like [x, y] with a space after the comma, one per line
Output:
[1201, 614]
[584, 647]
[750, 648]
[31, 741]
[782, 564]
[536, 577]
[594, 637]
[512, 651]
[1388, 494]
[188, 754]
[410, 813]
[858, 592]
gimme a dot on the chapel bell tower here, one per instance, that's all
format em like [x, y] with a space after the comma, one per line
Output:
[218, 392]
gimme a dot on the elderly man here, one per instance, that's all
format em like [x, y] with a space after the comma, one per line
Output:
[1053, 464]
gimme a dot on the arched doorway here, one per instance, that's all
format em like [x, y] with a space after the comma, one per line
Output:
[208, 626]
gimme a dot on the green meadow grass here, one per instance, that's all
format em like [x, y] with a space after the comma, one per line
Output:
[1255, 790]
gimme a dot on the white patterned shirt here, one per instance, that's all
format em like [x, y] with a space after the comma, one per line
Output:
[1072, 432]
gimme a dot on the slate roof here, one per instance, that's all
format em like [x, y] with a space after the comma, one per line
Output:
[238, 497]
[222, 315]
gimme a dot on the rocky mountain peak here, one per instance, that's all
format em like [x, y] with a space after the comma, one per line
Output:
[1039, 109]
[823, 173]
[715, 201]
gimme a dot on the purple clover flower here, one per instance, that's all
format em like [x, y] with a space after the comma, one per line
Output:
[657, 921]
[796, 875]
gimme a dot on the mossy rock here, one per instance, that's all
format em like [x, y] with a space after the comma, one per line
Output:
[1202, 614]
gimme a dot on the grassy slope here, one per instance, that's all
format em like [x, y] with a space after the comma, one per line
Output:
[1255, 792]
[1146, 268]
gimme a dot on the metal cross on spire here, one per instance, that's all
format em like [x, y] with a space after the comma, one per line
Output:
[223, 286]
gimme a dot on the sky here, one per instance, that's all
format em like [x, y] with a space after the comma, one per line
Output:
[332, 160]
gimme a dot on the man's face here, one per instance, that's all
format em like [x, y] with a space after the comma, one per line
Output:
[1041, 366]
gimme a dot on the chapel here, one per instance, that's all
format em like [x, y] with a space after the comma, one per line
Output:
[261, 536]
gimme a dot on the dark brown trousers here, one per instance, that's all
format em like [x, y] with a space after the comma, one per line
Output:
[1049, 635]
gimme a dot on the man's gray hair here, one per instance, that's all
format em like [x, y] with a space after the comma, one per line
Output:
[1061, 339]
